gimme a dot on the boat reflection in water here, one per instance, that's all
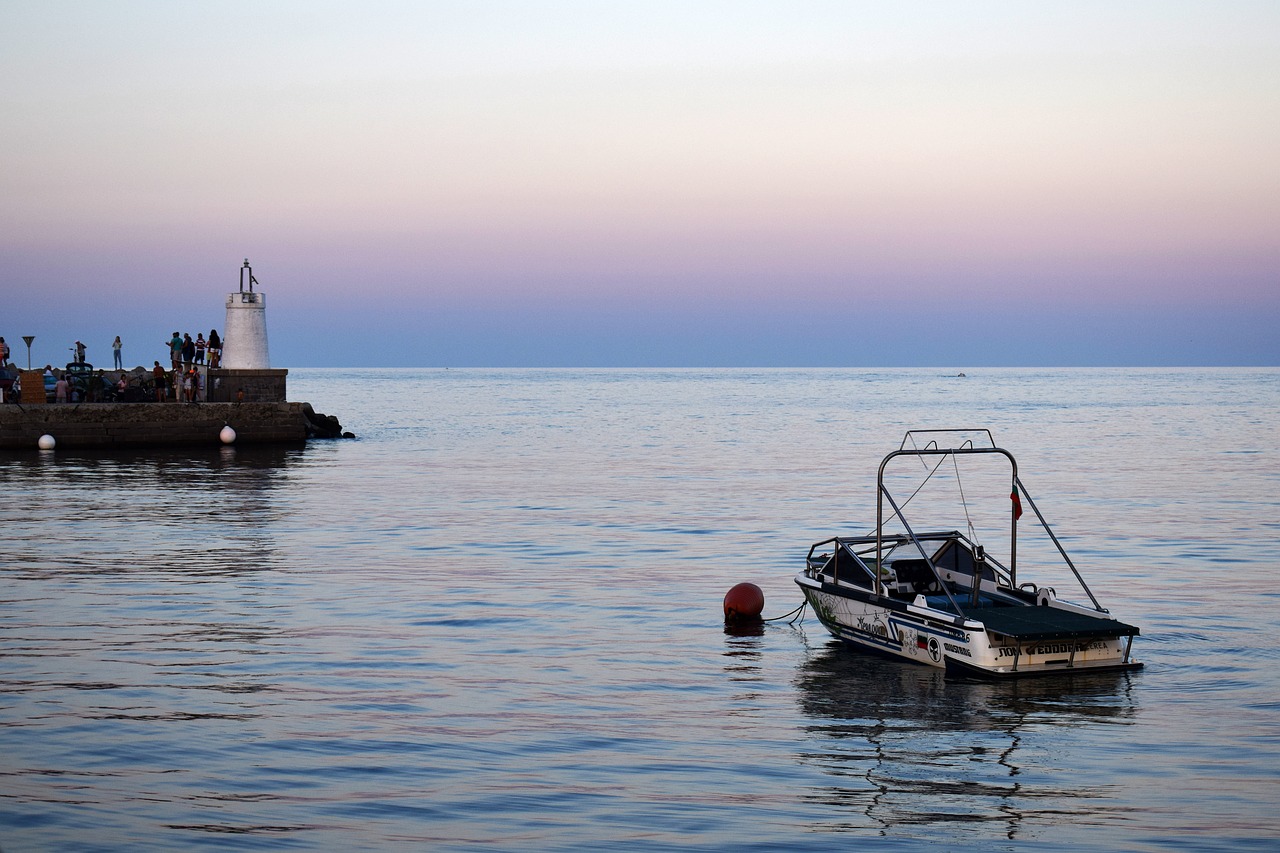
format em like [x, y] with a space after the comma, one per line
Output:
[906, 745]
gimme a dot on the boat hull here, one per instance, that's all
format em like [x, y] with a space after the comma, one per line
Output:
[921, 635]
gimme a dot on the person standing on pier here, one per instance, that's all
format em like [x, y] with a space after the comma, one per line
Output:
[79, 353]
[200, 345]
[115, 351]
[161, 384]
[61, 388]
[215, 348]
[188, 349]
[175, 351]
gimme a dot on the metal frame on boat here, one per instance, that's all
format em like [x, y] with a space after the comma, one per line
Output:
[940, 599]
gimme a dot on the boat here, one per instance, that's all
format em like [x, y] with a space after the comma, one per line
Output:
[941, 597]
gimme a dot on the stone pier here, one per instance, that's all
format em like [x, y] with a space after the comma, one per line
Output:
[134, 424]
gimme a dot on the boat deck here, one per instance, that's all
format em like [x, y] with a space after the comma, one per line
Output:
[1047, 623]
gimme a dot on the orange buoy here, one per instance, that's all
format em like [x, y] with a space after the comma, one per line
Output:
[743, 603]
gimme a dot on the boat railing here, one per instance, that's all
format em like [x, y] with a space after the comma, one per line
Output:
[932, 445]
[840, 542]
[873, 574]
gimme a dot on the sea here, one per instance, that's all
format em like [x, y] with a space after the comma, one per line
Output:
[493, 620]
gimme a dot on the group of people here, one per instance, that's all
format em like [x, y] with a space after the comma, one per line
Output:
[186, 356]
[184, 351]
[187, 382]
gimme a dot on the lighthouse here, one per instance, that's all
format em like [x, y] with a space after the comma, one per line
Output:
[244, 374]
[244, 344]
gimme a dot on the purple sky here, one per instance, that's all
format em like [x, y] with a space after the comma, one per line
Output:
[716, 183]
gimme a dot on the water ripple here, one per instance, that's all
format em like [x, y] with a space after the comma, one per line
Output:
[495, 620]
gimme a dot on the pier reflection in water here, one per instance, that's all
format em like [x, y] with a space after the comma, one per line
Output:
[172, 549]
[209, 512]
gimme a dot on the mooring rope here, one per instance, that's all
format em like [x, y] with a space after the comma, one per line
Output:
[799, 610]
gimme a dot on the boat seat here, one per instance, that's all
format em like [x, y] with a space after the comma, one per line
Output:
[916, 573]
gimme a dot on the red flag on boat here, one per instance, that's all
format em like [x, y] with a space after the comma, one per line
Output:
[1017, 504]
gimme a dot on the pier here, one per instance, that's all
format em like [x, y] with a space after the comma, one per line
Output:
[139, 424]
[251, 402]
[239, 389]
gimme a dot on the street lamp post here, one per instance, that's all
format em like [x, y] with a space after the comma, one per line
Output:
[28, 339]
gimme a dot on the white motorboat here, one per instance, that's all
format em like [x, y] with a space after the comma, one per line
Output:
[942, 599]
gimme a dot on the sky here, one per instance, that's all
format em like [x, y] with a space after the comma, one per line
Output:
[554, 183]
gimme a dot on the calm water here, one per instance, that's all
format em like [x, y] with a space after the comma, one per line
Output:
[494, 619]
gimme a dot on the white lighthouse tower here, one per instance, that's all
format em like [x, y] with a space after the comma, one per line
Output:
[244, 344]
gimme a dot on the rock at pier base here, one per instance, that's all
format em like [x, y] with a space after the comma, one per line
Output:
[321, 425]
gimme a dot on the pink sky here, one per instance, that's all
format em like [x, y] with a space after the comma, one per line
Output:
[714, 183]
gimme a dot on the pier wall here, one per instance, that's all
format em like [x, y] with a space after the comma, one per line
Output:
[132, 424]
[260, 386]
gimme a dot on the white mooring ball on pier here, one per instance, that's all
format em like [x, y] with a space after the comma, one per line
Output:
[47, 442]
[228, 435]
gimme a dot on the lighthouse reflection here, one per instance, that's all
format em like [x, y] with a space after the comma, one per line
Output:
[905, 744]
